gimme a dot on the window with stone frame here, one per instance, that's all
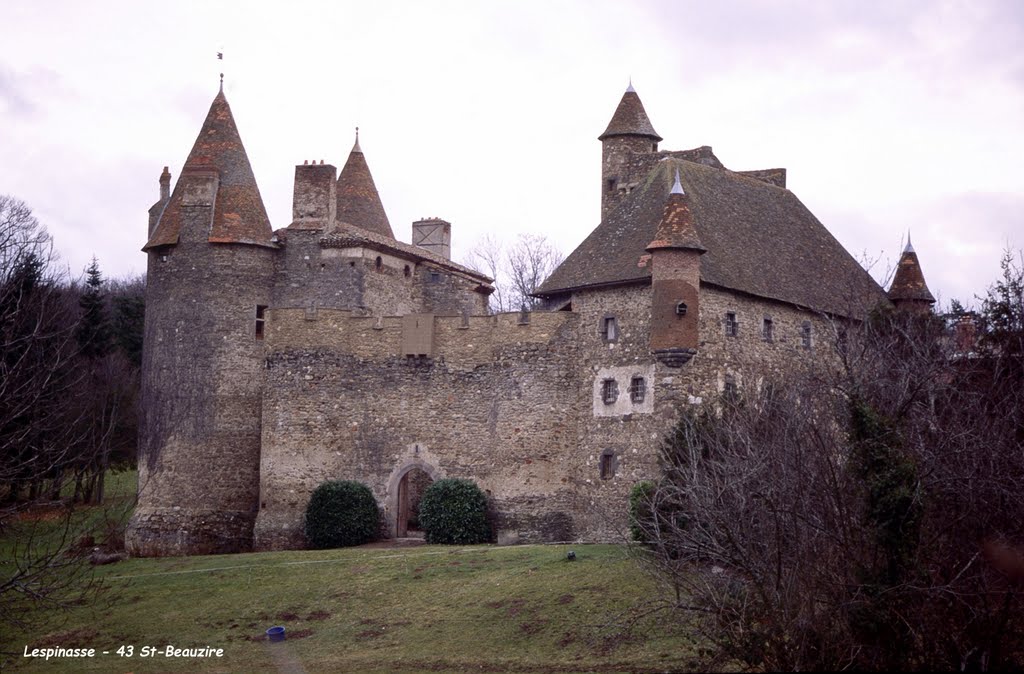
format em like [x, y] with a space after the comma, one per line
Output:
[261, 310]
[732, 326]
[637, 389]
[768, 329]
[609, 329]
[609, 391]
[608, 464]
[806, 336]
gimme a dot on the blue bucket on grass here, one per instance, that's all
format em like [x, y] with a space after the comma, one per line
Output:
[275, 634]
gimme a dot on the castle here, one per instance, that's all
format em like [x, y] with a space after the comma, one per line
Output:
[275, 360]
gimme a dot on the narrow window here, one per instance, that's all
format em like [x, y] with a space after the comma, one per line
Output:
[729, 391]
[609, 329]
[805, 334]
[607, 464]
[406, 271]
[611, 184]
[609, 391]
[378, 263]
[732, 326]
[261, 310]
[680, 308]
[768, 329]
[637, 389]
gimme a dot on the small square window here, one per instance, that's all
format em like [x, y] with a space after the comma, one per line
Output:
[732, 326]
[609, 329]
[637, 389]
[608, 464]
[805, 335]
[609, 391]
[768, 329]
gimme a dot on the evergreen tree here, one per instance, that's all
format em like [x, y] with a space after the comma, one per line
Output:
[94, 331]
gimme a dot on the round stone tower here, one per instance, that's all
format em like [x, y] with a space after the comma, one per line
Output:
[629, 134]
[209, 282]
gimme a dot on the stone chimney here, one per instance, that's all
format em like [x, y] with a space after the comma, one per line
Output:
[314, 200]
[165, 185]
[433, 234]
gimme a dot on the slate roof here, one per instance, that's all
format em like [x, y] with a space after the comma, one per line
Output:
[344, 235]
[760, 239]
[630, 119]
[239, 215]
[908, 283]
[358, 200]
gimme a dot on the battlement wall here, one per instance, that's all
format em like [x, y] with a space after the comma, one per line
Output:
[461, 341]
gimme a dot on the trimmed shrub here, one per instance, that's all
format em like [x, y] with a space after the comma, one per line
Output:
[454, 511]
[341, 513]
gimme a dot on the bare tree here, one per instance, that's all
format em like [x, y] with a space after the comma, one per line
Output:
[518, 270]
[867, 512]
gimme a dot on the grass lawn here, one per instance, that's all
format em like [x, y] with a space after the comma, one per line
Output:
[427, 608]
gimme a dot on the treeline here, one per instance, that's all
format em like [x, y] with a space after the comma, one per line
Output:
[70, 353]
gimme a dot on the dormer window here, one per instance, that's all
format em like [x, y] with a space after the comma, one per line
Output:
[609, 329]
[732, 326]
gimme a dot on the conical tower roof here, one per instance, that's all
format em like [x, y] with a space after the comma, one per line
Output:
[239, 215]
[630, 119]
[676, 228]
[358, 201]
[909, 284]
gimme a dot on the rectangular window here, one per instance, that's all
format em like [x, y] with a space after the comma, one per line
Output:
[637, 389]
[609, 391]
[729, 391]
[609, 329]
[805, 334]
[732, 326]
[260, 320]
[607, 464]
[768, 329]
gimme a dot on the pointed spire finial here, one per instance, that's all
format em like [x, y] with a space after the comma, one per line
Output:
[222, 83]
[356, 148]
[909, 248]
[630, 87]
[677, 187]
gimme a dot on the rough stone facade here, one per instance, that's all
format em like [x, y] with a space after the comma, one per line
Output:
[330, 350]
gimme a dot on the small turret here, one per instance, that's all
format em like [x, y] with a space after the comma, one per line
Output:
[629, 133]
[908, 291]
[358, 200]
[675, 281]
[157, 209]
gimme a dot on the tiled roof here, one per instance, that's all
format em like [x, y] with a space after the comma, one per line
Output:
[358, 201]
[676, 228]
[908, 283]
[760, 240]
[345, 235]
[239, 215]
[630, 119]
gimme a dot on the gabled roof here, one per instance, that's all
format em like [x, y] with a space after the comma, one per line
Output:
[358, 201]
[760, 240]
[344, 235]
[908, 283]
[630, 119]
[239, 215]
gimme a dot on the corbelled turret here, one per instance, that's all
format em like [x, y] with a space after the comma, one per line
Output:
[629, 133]
[358, 201]
[675, 281]
[908, 291]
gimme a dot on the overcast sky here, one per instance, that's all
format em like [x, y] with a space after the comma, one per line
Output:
[890, 116]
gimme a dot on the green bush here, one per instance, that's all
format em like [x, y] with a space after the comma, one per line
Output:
[640, 514]
[341, 513]
[454, 512]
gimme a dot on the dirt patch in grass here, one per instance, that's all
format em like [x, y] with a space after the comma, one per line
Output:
[77, 638]
[533, 626]
[565, 599]
[319, 615]
[287, 616]
[515, 606]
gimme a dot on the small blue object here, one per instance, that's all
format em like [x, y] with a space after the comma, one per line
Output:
[275, 634]
[571, 556]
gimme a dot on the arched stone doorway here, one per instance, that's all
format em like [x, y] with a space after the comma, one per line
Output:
[410, 490]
